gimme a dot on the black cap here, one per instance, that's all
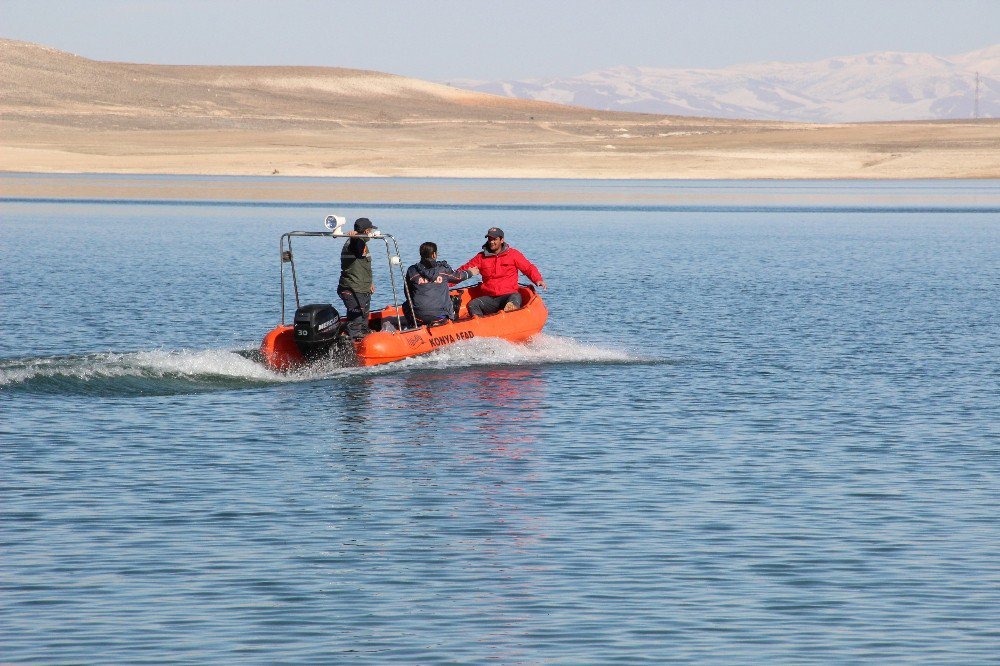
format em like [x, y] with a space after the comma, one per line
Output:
[494, 232]
[363, 224]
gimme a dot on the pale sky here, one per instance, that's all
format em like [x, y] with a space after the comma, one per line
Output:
[440, 40]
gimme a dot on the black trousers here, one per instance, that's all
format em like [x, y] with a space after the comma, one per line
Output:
[485, 305]
[358, 306]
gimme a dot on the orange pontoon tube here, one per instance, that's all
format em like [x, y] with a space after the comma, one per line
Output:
[281, 353]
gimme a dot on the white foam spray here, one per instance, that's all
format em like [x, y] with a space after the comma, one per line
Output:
[150, 364]
[209, 366]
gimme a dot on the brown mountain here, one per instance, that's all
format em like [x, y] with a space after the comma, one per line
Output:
[61, 112]
[40, 84]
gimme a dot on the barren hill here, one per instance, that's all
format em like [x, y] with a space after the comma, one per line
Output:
[64, 113]
[38, 83]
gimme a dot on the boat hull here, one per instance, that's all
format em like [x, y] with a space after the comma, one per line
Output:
[280, 352]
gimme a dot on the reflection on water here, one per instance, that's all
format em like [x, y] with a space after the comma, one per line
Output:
[359, 405]
[498, 406]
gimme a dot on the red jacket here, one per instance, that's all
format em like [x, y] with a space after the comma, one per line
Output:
[499, 271]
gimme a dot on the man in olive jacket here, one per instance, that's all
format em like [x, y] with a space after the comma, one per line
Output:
[356, 285]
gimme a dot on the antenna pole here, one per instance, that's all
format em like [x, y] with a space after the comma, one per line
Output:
[975, 108]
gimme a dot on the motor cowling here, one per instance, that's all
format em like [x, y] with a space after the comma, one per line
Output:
[316, 329]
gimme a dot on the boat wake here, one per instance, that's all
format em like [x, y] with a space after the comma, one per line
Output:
[172, 372]
[157, 372]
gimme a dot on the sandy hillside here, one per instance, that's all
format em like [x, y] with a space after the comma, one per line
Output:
[64, 113]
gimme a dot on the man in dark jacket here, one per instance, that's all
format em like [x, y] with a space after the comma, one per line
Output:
[428, 282]
[356, 285]
[499, 265]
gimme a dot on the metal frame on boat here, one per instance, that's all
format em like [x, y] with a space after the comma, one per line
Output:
[287, 256]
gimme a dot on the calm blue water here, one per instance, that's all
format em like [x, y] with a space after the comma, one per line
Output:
[744, 437]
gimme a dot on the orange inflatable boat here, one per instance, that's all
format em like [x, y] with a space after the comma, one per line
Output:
[281, 352]
[316, 331]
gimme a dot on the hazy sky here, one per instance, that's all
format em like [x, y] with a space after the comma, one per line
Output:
[492, 39]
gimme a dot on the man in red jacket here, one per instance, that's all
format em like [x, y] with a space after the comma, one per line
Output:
[499, 264]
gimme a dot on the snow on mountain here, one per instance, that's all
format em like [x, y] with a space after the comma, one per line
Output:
[866, 87]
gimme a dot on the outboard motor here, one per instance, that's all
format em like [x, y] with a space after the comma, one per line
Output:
[316, 329]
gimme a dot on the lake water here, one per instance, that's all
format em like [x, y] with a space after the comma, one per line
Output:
[762, 424]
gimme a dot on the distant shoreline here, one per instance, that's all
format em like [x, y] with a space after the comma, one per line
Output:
[14, 173]
[904, 151]
[427, 193]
